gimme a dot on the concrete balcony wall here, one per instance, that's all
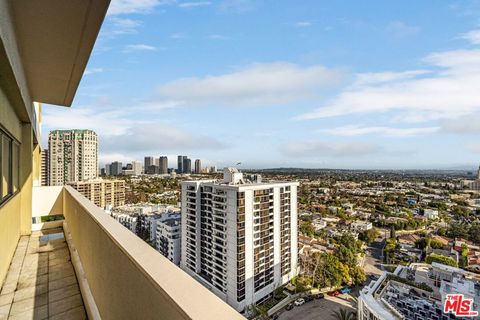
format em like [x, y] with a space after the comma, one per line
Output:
[126, 277]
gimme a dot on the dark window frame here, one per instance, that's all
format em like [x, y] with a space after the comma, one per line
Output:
[13, 168]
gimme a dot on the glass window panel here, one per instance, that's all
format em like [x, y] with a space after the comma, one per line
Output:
[15, 166]
[5, 166]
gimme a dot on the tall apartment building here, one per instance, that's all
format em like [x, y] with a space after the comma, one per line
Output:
[149, 161]
[239, 238]
[102, 192]
[198, 166]
[137, 168]
[116, 168]
[73, 156]
[187, 165]
[180, 164]
[108, 169]
[163, 165]
[45, 168]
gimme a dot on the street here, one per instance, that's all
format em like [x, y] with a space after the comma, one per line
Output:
[319, 309]
[372, 262]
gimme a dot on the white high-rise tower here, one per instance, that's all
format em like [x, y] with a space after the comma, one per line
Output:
[239, 237]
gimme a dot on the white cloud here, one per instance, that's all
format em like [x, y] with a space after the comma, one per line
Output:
[446, 89]
[355, 130]
[120, 134]
[218, 37]
[135, 6]
[302, 24]
[116, 26]
[473, 36]
[464, 125]
[238, 6]
[399, 29]
[139, 47]
[320, 148]
[257, 84]
[194, 4]
[92, 71]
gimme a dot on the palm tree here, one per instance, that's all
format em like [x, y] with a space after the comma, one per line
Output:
[344, 314]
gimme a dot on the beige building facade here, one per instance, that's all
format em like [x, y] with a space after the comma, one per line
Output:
[73, 156]
[102, 192]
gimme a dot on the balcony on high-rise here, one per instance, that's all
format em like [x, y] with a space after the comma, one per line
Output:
[83, 264]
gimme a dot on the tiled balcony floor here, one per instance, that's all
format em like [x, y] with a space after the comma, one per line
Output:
[41, 282]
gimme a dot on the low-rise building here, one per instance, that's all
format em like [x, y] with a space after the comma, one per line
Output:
[104, 193]
[361, 226]
[416, 292]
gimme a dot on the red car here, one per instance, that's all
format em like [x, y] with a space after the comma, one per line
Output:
[334, 293]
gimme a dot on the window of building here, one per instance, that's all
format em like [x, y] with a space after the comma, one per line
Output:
[9, 166]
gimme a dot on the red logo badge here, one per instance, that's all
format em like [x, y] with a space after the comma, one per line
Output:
[459, 306]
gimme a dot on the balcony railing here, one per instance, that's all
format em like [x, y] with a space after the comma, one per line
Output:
[121, 276]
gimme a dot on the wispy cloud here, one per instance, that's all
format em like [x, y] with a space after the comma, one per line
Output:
[194, 4]
[217, 37]
[118, 7]
[322, 149]
[139, 47]
[473, 36]
[258, 85]
[89, 71]
[355, 130]
[126, 137]
[399, 29]
[303, 24]
[238, 6]
[446, 89]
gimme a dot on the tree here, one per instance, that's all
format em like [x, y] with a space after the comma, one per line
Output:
[441, 259]
[307, 228]
[392, 232]
[344, 314]
[474, 233]
[369, 236]
[358, 276]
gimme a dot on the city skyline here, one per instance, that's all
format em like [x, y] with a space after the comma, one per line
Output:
[345, 86]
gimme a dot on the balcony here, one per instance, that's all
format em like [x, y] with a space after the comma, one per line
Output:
[90, 265]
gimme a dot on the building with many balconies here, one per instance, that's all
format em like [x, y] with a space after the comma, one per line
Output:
[239, 238]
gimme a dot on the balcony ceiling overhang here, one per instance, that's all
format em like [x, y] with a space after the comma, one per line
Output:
[55, 40]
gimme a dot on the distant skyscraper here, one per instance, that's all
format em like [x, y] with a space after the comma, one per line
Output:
[187, 165]
[45, 167]
[243, 243]
[180, 164]
[108, 169]
[163, 165]
[149, 161]
[137, 167]
[116, 168]
[478, 173]
[198, 166]
[73, 156]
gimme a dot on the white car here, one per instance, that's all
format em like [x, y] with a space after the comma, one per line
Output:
[299, 302]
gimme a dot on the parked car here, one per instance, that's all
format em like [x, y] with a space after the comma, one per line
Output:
[290, 306]
[334, 293]
[308, 298]
[274, 317]
[319, 296]
[345, 290]
[299, 302]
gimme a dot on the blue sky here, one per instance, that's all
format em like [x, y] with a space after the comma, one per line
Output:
[317, 84]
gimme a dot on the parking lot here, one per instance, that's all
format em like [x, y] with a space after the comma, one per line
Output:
[319, 309]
